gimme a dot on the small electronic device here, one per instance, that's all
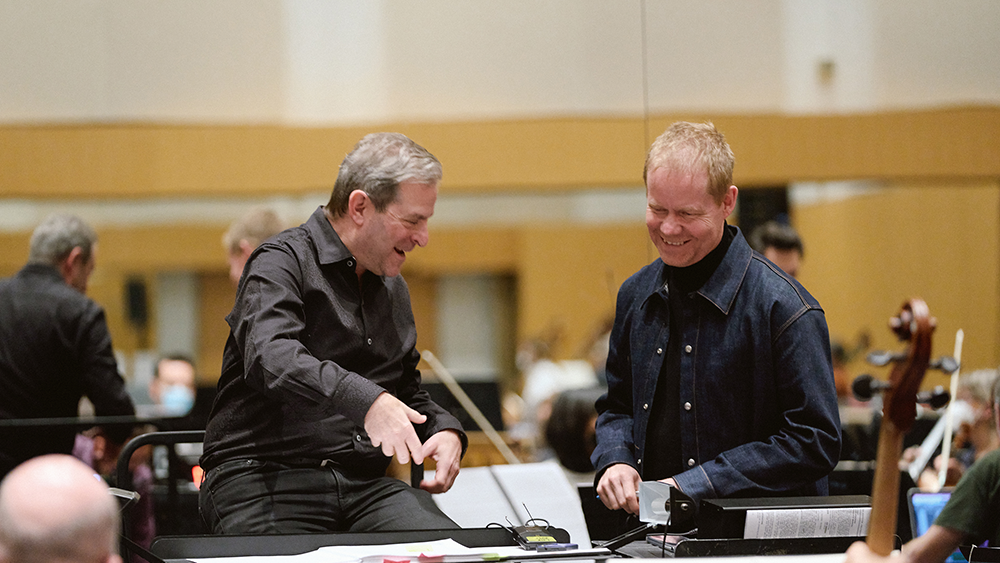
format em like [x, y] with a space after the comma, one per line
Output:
[532, 536]
[535, 533]
[556, 547]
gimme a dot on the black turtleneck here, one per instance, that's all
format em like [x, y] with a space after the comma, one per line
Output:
[663, 439]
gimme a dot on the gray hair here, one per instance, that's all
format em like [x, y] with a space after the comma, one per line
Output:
[377, 165]
[57, 236]
[979, 384]
[996, 393]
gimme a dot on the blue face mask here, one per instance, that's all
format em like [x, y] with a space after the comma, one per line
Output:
[177, 399]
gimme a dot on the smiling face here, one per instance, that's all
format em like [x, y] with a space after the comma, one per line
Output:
[385, 237]
[685, 223]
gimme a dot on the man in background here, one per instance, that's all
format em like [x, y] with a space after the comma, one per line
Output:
[245, 234]
[971, 517]
[54, 344]
[173, 387]
[53, 509]
[780, 244]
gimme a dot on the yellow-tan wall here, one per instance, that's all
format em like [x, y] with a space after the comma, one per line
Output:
[931, 232]
[939, 242]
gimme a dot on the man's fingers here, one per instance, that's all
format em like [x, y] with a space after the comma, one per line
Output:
[414, 416]
[416, 450]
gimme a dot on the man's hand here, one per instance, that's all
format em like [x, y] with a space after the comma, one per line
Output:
[859, 552]
[389, 423]
[445, 448]
[618, 488]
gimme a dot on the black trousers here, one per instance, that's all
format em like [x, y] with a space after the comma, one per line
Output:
[265, 497]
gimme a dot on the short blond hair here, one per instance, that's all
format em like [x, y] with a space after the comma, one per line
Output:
[694, 147]
[258, 225]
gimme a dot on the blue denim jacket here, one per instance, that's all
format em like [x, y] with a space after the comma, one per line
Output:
[758, 403]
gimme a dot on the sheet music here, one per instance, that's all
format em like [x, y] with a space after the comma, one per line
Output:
[806, 523]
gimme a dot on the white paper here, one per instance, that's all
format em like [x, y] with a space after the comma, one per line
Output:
[354, 553]
[806, 523]
[412, 551]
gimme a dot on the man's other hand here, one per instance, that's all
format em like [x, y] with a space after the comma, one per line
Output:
[445, 448]
[859, 552]
[389, 423]
[618, 488]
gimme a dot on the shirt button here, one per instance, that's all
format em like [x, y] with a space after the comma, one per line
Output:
[687, 406]
[687, 348]
[659, 351]
[369, 341]
[691, 462]
[645, 406]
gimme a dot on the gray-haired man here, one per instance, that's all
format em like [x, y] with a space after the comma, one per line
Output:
[320, 387]
[54, 343]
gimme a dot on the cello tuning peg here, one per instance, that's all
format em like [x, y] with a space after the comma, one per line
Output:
[883, 358]
[947, 364]
[865, 386]
[935, 399]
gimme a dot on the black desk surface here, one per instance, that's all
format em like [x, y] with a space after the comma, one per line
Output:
[181, 547]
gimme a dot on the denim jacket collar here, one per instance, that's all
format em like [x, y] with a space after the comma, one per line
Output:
[724, 284]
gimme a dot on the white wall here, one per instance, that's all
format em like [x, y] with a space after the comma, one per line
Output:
[340, 61]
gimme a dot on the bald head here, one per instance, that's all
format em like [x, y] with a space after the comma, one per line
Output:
[53, 509]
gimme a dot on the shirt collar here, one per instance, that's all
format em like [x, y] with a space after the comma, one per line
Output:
[329, 248]
[42, 269]
[722, 287]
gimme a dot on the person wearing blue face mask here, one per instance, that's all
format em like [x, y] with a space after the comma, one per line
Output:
[173, 385]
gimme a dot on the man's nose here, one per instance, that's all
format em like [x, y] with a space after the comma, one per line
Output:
[422, 236]
[669, 226]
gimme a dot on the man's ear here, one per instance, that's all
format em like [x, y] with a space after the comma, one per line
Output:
[357, 204]
[729, 201]
[69, 264]
[246, 249]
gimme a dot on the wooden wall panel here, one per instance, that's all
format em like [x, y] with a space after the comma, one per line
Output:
[866, 255]
[138, 160]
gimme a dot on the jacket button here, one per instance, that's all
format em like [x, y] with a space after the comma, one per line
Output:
[369, 341]
[687, 406]
[687, 348]
[350, 263]
[645, 406]
[659, 351]
[691, 462]
[357, 437]
[638, 461]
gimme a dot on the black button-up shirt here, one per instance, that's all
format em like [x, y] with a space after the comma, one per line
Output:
[309, 350]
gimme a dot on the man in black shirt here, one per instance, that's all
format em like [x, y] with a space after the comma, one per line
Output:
[54, 344]
[320, 387]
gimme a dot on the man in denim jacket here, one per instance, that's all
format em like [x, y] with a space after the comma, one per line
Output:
[719, 373]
